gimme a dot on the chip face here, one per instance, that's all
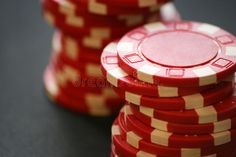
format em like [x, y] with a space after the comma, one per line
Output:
[180, 53]
[117, 77]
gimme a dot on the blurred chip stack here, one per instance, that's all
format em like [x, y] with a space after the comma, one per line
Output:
[73, 78]
[178, 82]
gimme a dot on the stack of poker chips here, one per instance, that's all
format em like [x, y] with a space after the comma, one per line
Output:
[73, 78]
[178, 82]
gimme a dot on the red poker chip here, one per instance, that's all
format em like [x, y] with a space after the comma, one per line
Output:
[79, 92]
[192, 141]
[135, 117]
[102, 35]
[143, 142]
[83, 66]
[89, 69]
[75, 28]
[76, 81]
[78, 85]
[83, 85]
[122, 148]
[221, 111]
[137, 146]
[81, 105]
[74, 31]
[67, 6]
[67, 14]
[120, 79]
[134, 3]
[73, 79]
[178, 53]
[95, 7]
[194, 101]
[71, 18]
[71, 49]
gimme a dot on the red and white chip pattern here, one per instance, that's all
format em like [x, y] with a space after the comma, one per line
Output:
[193, 129]
[117, 77]
[62, 14]
[127, 143]
[89, 69]
[189, 141]
[73, 78]
[213, 54]
[99, 8]
[196, 125]
[209, 114]
[67, 10]
[151, 134]
[219, 111]
[141, 138]
[194, 101]
[102, 104]
[77, 19]
[73, 50]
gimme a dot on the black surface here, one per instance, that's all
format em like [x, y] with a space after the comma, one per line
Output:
[30, 126]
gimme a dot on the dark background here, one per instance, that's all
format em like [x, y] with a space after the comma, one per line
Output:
[30, 126]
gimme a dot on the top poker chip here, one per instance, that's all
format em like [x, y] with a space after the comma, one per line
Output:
[178, 54]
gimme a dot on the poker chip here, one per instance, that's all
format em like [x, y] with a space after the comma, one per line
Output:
[117, 77]
[64, 11]
[192, 129]
[145, 142]
[220, 111]
[66, 19]
[209, 114]
[194, 101]
[84, 68]
[130, 144]
[77, 85]
[76, 32]
[212, 57]
[190, 141]
[95, 7]
[70, 49]
[79, 22]
[88, 41]
[80, 87]
[180, 100]
[75, 24]
[96, 105]
[77, 82]
[74, 78]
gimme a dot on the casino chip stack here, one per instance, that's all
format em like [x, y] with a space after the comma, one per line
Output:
[74, 78]
[178, 82]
